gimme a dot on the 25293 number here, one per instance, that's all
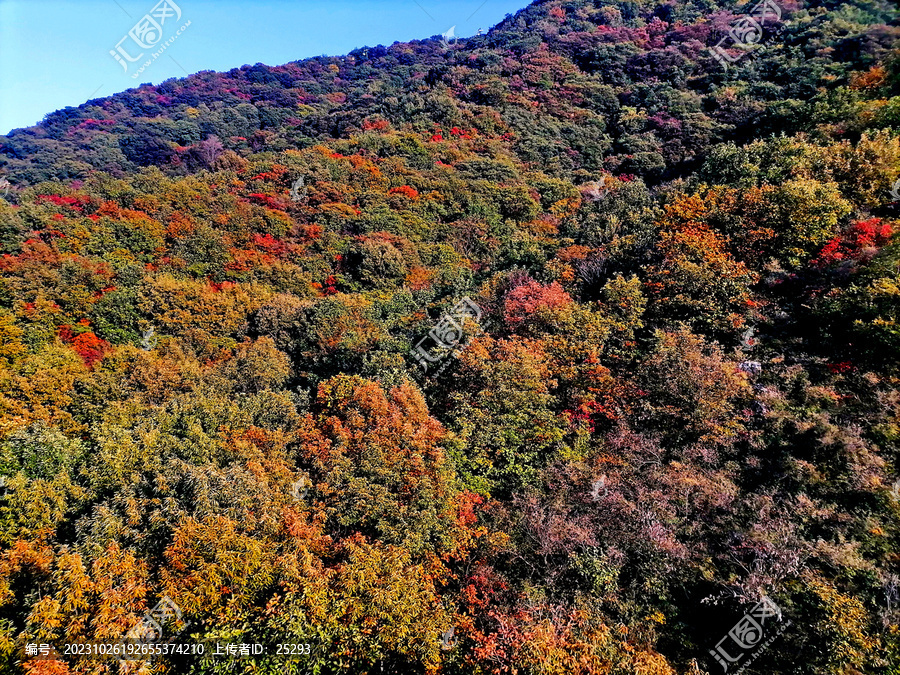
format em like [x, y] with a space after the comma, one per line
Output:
[294, 649]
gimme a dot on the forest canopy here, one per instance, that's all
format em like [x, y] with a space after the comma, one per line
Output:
[671, 395]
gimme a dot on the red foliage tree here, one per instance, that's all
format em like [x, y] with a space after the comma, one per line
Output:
[86, 344]
[858, 244]
[404, 190]
[530, 298]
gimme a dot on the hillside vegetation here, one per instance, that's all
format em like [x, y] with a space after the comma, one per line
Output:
[677, 392]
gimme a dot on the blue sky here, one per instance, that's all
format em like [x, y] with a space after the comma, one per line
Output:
[56, 53]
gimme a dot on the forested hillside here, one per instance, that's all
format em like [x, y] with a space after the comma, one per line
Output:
[677, 394]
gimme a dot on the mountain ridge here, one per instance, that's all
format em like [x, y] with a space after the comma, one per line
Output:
[270, 89]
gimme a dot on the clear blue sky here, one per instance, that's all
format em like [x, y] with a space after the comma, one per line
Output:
[55, 53]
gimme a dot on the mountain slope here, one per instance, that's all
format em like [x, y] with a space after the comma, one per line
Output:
[581, 87]
[673, 390]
